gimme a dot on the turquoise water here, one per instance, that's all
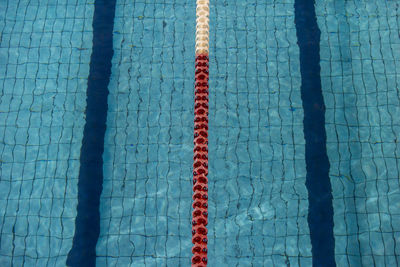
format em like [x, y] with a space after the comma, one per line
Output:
[258, 199]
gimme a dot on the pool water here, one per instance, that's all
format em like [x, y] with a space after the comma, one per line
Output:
[96, 133]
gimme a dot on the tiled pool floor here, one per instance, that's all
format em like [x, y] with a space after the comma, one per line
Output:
[258, 198]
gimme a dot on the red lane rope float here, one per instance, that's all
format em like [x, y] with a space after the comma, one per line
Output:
[200, 164]
[200, 152]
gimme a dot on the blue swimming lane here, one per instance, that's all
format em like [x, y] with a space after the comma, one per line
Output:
[87, 224]
[320, 215]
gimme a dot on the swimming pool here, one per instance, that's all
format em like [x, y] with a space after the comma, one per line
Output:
[96, 133]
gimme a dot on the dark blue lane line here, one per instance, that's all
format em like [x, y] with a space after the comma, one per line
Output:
[320, 213]
[90, 184]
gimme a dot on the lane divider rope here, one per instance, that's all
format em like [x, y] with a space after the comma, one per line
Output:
[200, 151]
